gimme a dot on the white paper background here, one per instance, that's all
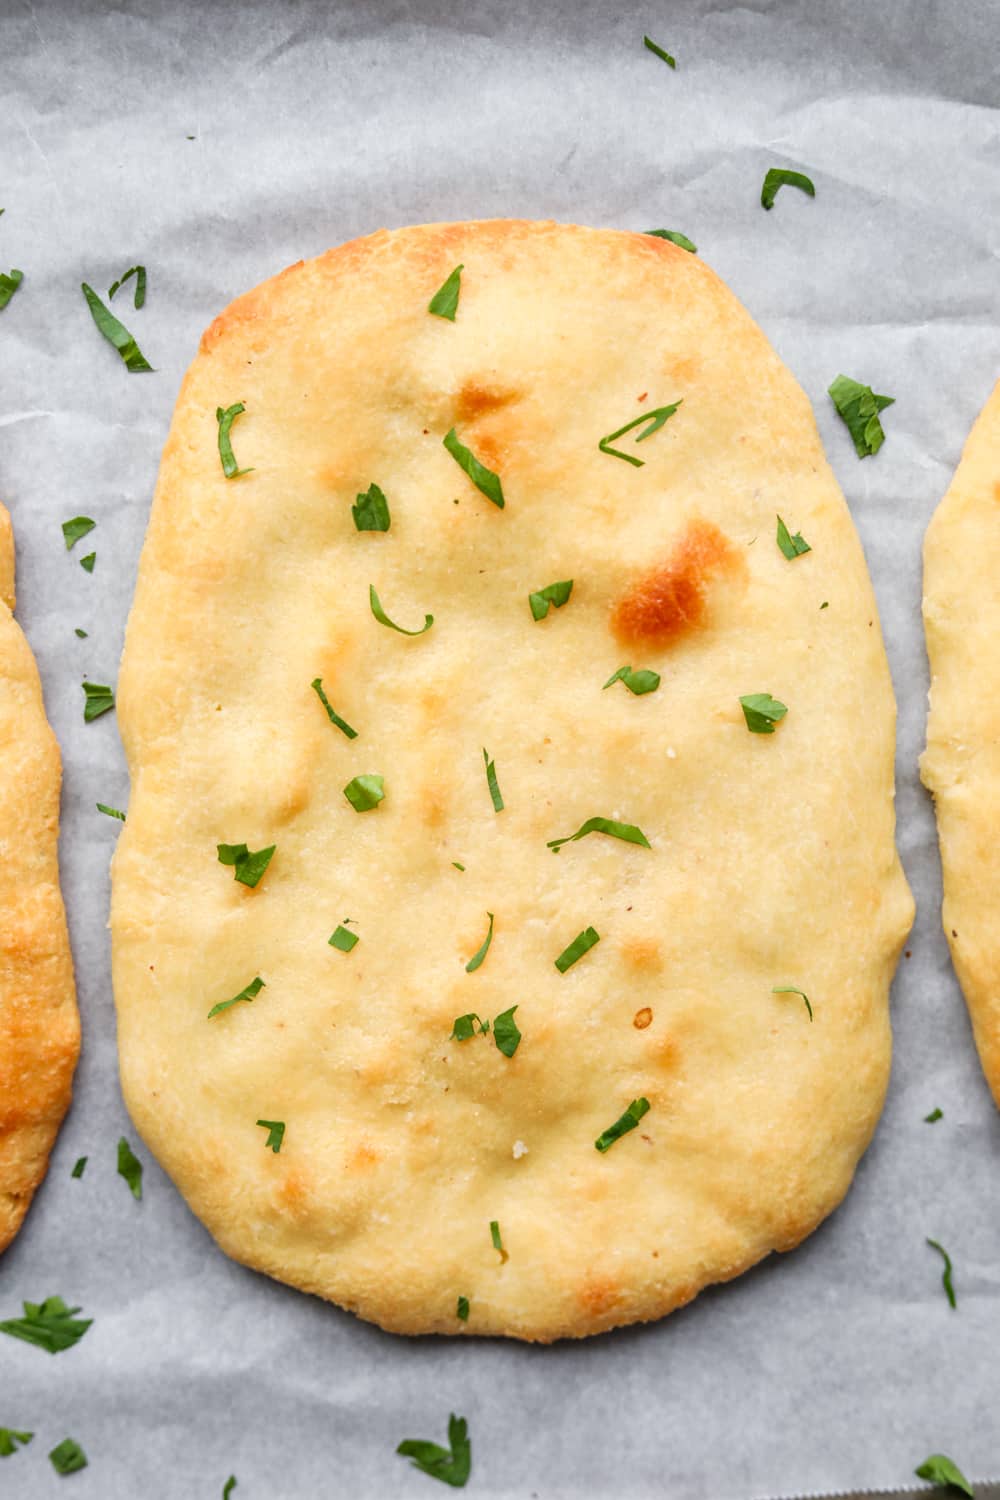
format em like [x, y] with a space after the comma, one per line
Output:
[840, 1365]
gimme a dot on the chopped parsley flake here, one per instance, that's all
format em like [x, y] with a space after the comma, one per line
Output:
[451, 1465]
[486, 482]
[946, 1281]
[225, 418]
[344, 940]
[505, 1032]
[466, 1027]
[762, 712]
[554, 593]
[581, 944]
[859, 407]
[99, 700]
[87, 563]
[671, 62]
[365, 792]
[779, 177]
[626, 1122]
[78, 527]
[462, 1309]
[791, 989]
[80, 1167]
[791, 546]
[49, 1325]
[444, 303]
[497, 1241]
[248, 994]
[130, 1167]
[650, 421]
[10, 1437]
[341, 724]
[640, 682]
[115, 332]
[248, 865]
[940, 1469]
[626, 831]
[491, 782]
[675, 236]
[383, 618]
[934, 1116]
[371, 510]
[275, 1134]
[110, 812]
[8, 286]
[230, 1484]
[67, 1457]
[476, 960]
[139, 272]
[81, 633]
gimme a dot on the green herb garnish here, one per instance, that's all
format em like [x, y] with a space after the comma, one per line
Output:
[365, 792]
[791, 989]
[99, 699]
[491, 782]
[466, 1026]
[49, 1325]
[581, 944]
[626, 831]
[343, 940]
[650, 421]
[9, 1436]
[779, 177]
[248, 865]
[342, 724]
[791, 546]
[505, 1032]
[497, 1241]
[946, 1281]
[275, 1134]
[676, 238]
[640, 682]
[116, 333]
[130, 1167]
[486, 482]
[940, 1469]
[371, 510]
[139, 272]
[383, 618]
[251, 992]
[762, 712]
[110, 812]
[225, 418]
[80, 1167]
[81, 633]
[451, 1465]
[76, 528]
[671, 62]
[626, 1122]
[859, 406]
[456, 866]
[230, 1484]
[476, 961]
[934, 1116]
[67, 1457]
[462, 1309]
[87, 563]
[444, 303]
[554, 593]
[9, 285]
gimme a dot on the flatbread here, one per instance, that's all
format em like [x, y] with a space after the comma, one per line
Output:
[39, 1023]
[771, 859]
[961, 764]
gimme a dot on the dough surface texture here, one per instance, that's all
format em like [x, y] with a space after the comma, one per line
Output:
[771, 859]
[39, 1022]
[961, 764]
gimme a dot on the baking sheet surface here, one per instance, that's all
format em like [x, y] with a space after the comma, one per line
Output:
[217, 143]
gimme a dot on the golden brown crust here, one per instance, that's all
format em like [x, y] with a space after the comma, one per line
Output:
[961, 764]
[39, 1024]
[772, 858]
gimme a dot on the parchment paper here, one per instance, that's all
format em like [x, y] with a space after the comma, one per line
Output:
[840, 1365]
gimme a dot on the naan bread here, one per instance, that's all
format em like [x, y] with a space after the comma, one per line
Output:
[39, 1023]
[771, 862]
[961, 764]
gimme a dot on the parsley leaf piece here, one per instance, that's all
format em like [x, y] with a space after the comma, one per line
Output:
[553, 593]
[762, 712]
[946, 1281]
[67, 1457]
[116, 333]
[456, 866]
[87, 563]
[791, 989]
[248, 994]
[675, 236]
[638, 683]
[139, 272]
[371, 510]
[99, 700]
[859, 406]
[476, 960]
[581, 944]
[779, 177]
[791, 546]
[650, 421]
[486, 482]
[491, 782]
[505, 1032]
[248, 864]
[451, 1465]
[462, 1309]
[76, 528]
[497, 1241]
[365, 792]
[626, 1122]
[225, 418]
[940, 1469]
[465, 1027]
[671, 62]
[383, 618]
[444, 303]
[343, 940]
[8, 286]
[275, 1134]
[341, 724]
[80, 1167]
[626, 831]
[111, 812]
[81, 633]
[130, 1167]
[49, 1325]
[9, 1437]
[230, 1484]
[934, 1116]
